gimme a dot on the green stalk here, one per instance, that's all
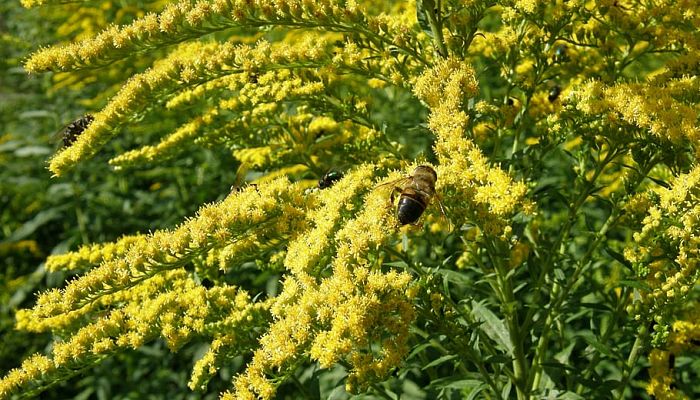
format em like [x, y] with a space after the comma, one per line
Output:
[561, 296]
[584, 262]
[631, 361]
[609, 329]
[508, 303]
[464, 351]
[433, 15]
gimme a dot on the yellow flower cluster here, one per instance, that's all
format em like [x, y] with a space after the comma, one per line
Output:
[658, 110]
[34, 3]
[495, 44]
[354, 313]
[191, 64]
[685, 336]
[233, 335]
[253, 106]
[476, 189]
[155, 308]
[168, 147]
[169, 305]
[273, 205]
[189, 19]
[307, 249]
[447, 84]
[90, 255]
[668, 245]
[358, 317]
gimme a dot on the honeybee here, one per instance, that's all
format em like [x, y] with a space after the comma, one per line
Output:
[416, 191]
[329, 179]
[71, 132]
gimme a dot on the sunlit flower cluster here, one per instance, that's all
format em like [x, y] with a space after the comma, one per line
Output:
[170, 306]
[253, 210]
[336, 317]
[191, 64]
[483, 192]
[661, 112]
[90, 255]
[544, 136]
[667, 248]
[684, 338]
[186, 19]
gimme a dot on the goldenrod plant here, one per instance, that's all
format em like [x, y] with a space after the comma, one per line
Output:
[546, 149]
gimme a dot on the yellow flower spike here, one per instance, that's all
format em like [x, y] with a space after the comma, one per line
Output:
[161, 251]
[167, 76]
[169, 147]
[673, 220]
[490, 193]
[171, 306]
[340, 312]
[90, 255]
[305, 250]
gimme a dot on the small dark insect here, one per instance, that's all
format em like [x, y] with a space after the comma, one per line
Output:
[671, 361]
[554, 93]
[416, 191]
[330, 178]
[560, 54]
[74, 129]
[235, 188]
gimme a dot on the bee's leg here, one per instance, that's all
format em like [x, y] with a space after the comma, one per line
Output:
[444, 214]
[394, 191]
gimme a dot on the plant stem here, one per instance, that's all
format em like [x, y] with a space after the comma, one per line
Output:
[561, 296]
[609, 329]
[573, 211]
[631, 361]
[509, 307]
[435, 22]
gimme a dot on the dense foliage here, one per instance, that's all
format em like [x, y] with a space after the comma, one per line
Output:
[185, 240]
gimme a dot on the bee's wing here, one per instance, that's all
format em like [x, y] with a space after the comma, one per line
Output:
[241, 173]
[442, 210]
[395, 182]
[57, 138]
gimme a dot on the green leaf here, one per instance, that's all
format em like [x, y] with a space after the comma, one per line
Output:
[29, 227]
[418, 349]
[455, 277]
[618, 257]
[636, 285]
[464, 384]
[29, 151]
[493, 326]
[595, 306]
[559, 274]
[397, 264]
[565, 353]
[592, 340]
[558, 365]
[36, 114]
[422, 8]
[476, 391]
[569, 396]
[439, 361]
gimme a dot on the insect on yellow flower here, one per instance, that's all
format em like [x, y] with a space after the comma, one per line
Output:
[416, 191]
